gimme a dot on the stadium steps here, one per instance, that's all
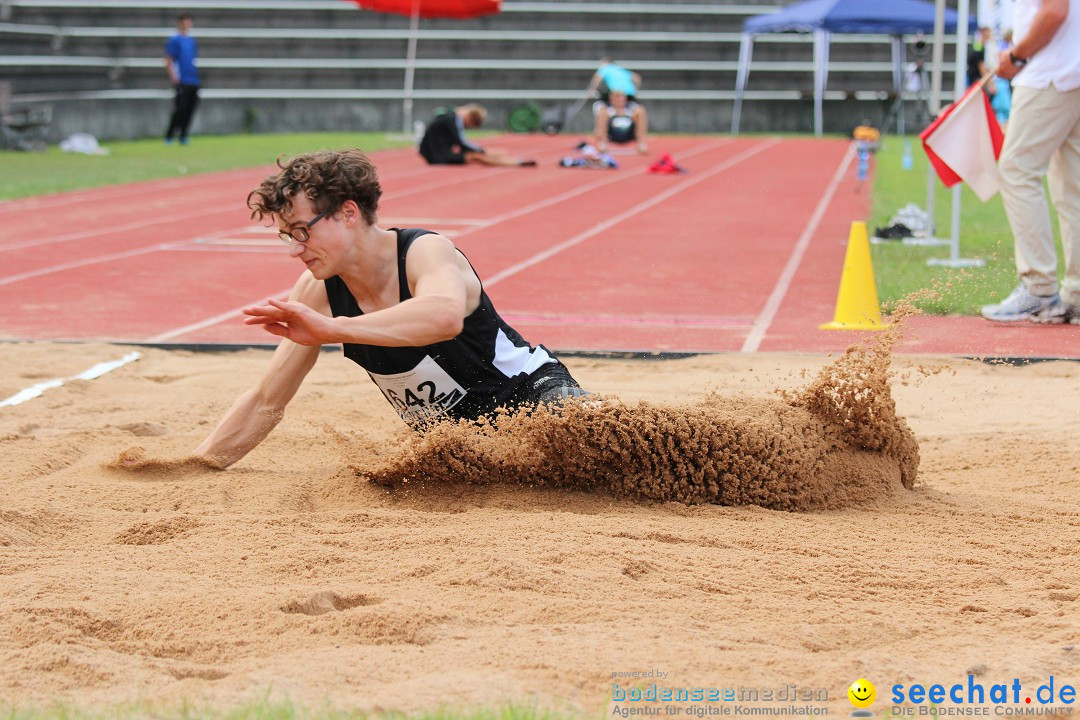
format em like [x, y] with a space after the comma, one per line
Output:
[267, 59]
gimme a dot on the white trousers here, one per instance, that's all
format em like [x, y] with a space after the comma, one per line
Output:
[1043, 140]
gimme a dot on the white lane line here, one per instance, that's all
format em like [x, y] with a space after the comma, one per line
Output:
[221, 243]
[458, 178]
[31, 392]
[79, 263]
[128, 190]
[516, 318]
[125, 191]
[427, 222]
[187, 216]
[197, 243]
[220, 317]
[228, 248]
[90, 374]
[783, 283]
[171, 334]
[624, 216]
[215, 235]
[104, 367]
[181, 217]
[571, 194]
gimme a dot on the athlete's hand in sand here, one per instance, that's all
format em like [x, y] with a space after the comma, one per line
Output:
[136, 460]
[292, 320]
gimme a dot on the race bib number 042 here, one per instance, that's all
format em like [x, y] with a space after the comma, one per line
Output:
[422, 394]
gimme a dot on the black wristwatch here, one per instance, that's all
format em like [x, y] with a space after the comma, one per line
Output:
[1017, 62]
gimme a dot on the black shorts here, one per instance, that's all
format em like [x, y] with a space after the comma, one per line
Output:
[550, 384]
[448, 157]
[621, 129]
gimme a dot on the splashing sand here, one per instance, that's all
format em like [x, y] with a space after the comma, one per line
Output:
[835, 443]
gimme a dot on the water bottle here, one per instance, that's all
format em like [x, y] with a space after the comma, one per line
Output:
[906, 162]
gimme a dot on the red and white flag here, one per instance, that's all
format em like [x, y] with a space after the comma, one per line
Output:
[964, 143]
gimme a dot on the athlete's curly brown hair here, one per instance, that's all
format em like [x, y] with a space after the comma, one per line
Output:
[327, 179]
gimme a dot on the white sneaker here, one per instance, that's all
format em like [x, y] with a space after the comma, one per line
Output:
[1058, 313]
[1020, 305]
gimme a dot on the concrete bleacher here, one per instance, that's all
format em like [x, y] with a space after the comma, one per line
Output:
[290, 65]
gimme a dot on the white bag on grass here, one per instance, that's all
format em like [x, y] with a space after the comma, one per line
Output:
[84, 143]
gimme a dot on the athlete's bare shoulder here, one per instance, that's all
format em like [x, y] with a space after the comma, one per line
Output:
[311, 292]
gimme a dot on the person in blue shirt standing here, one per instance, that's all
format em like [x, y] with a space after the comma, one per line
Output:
[181, 53]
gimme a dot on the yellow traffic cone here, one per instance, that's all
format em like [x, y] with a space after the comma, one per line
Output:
[857, 305]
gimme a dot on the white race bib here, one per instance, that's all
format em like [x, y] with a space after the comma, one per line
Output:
[420, 394]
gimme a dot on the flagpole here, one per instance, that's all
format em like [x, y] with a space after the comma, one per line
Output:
[959, 84]
[937, 60]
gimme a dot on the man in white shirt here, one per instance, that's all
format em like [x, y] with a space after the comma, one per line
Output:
[1043, 140]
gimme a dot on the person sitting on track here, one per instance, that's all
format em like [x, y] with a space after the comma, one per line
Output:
[620, 121]
[444, 141]
[405, 303]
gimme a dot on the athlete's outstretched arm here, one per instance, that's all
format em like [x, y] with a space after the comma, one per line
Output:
[445, 290]
[258, 411]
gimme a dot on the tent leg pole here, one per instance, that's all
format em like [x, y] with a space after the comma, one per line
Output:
[898, 80]
[745, 52]
[410, 70]
[931, 197]
[959, 82]
[821, 69]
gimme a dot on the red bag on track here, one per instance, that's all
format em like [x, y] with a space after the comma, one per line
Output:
[666, 165]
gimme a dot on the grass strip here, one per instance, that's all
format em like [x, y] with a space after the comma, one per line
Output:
[902, 270]
[53, 171]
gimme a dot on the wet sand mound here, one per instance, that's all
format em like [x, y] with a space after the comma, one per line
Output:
[834, 443]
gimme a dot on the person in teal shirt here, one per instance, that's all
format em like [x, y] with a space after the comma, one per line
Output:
[612, 77]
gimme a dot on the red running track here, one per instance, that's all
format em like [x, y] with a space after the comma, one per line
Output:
[742, 253]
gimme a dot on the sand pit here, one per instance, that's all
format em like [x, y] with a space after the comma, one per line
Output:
[472, 572]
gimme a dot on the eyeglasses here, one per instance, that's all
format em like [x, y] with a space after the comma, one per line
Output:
[300, 234]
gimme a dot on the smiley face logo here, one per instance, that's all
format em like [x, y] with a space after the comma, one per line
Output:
[862, 693]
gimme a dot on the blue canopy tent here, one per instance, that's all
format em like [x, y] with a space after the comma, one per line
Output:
[825, 17]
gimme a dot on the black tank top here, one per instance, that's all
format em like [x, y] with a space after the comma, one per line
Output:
[465, 377]
[621, 127]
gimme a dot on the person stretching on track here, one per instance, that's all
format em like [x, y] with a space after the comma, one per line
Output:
[619, 121]
[444, 141]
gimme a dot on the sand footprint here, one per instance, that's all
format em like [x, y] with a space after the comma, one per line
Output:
[157, 533]
[327, 601]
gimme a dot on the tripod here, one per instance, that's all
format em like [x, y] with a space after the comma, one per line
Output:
[915, 87]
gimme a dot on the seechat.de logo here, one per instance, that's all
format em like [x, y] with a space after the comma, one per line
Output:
[862, 695]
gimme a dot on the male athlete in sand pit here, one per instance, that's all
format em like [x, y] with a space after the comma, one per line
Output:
[405, 303]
